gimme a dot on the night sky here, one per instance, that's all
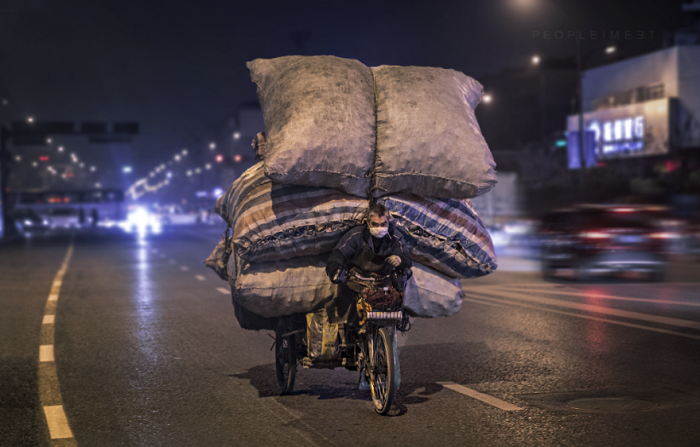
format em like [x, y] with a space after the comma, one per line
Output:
[177, 67]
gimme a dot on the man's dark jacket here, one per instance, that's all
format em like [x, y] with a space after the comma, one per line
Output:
[355, 239]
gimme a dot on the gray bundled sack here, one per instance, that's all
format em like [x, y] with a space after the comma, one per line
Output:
[274, 289]
[218, 259]
[319, 121]
[428, 140]
[431, 294]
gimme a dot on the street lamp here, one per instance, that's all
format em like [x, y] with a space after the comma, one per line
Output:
[177, 157]
[60, 148]
[126, 169]
[212, 146]
[184, 152]
[611, 49]
[487, 98]
[30, 119]
[535, 60]
[236, 135]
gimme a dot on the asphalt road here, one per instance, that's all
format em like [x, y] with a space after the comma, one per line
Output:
[144, 350]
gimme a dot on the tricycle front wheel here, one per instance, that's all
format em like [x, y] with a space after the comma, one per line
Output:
[382, 370]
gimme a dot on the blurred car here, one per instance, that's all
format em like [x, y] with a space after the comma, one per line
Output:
[28, 222]
[174, 215]
[64, 218]
[142, 221]
[602, 239]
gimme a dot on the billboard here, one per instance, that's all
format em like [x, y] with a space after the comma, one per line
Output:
[634, 130]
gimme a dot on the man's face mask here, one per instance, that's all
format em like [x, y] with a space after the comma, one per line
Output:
[378, 226]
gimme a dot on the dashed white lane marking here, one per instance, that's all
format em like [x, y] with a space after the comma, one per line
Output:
[498, 403]
[57, 422]
[53, 297]
[200, 277]
[223, 290]
[184, 268]
[49, 319]
[46, 353]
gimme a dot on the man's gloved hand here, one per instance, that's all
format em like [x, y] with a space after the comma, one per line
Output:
[394, 261]
[339, 276]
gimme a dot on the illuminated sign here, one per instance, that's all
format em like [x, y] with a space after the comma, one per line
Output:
[634, 130]
[620, 135]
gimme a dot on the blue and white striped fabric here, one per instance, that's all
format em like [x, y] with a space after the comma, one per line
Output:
[444, 234]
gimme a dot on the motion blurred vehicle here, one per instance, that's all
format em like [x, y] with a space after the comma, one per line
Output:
[63, 218]
[592, 240]
[175, 215]
[140, 220]
[28, 222]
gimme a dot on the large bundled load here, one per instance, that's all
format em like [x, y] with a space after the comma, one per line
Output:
[339, 134]
[423, 139]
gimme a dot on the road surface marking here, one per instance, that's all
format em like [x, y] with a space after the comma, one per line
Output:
[597, 309]
[200, 277]
[57, 422]
[498, 403]
[602, 296]
[488, 302]
[223, 290]
[184, 268]
[46, 353]
[49, 389]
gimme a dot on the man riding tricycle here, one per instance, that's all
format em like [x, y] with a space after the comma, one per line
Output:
[356, 330]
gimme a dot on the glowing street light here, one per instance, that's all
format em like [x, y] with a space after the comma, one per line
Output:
[237, 158]
[48, 140]
[219, 158]
[236, 135]
[487, 98]
[610, 49]
[169, 174]
[207, 166]
[535, 60]
[98, 185]
[126, 169]
[18, 158]
[60, 148]
[189, 173]
[177, 157]
[35, 164]
[197, 171]
[212, 146]
[30, 119]
[93, 169]
[184, 152]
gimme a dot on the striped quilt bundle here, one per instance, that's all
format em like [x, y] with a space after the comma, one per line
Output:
[275, 222]
[272, 221]
[444, 234]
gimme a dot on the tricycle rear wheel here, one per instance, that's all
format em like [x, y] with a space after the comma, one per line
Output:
[285, 357]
